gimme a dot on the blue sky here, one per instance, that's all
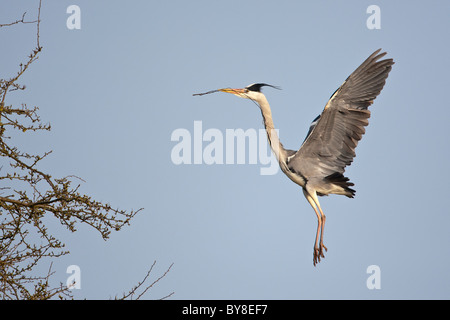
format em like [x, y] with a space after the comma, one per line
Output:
[115, 90]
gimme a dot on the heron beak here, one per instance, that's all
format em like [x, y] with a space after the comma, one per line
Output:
[234, 91]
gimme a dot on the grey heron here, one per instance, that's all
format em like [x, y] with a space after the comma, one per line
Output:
[319, 165]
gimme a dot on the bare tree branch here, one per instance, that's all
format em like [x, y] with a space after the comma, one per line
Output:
[133, 291]
[22, 20]
[33, 194]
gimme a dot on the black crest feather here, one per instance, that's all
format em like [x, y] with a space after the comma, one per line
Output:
[257, 87]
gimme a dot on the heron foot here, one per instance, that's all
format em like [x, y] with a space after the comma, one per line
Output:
[318, 253]
[322, 246]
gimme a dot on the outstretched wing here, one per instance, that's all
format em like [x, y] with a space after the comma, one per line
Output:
[330, 146]
[312, 126]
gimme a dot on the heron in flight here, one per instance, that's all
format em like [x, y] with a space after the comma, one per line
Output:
[319, 165]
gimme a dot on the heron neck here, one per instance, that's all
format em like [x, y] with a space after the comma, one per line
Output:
[272, 135]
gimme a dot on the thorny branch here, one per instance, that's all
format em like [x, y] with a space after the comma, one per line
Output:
[134, 290]
[33, 194]
[22, 20]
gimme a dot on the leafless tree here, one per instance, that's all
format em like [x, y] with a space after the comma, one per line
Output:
[28, 194]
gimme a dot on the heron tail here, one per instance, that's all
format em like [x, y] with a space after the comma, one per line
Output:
[340, 180]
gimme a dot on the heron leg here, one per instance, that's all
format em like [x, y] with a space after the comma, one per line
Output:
[323, 217]
[318, 244]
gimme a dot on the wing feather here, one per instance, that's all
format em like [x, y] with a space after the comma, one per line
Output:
[330, 145]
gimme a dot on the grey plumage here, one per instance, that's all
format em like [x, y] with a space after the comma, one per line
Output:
[319, 165]
[330, 146]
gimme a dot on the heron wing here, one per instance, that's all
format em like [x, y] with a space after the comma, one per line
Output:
[330, 145]
[312, 126]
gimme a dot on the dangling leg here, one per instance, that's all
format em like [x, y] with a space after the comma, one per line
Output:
[318, 249]
[321, 245]
[316, 252]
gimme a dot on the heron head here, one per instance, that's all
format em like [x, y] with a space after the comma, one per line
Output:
[252, 91]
